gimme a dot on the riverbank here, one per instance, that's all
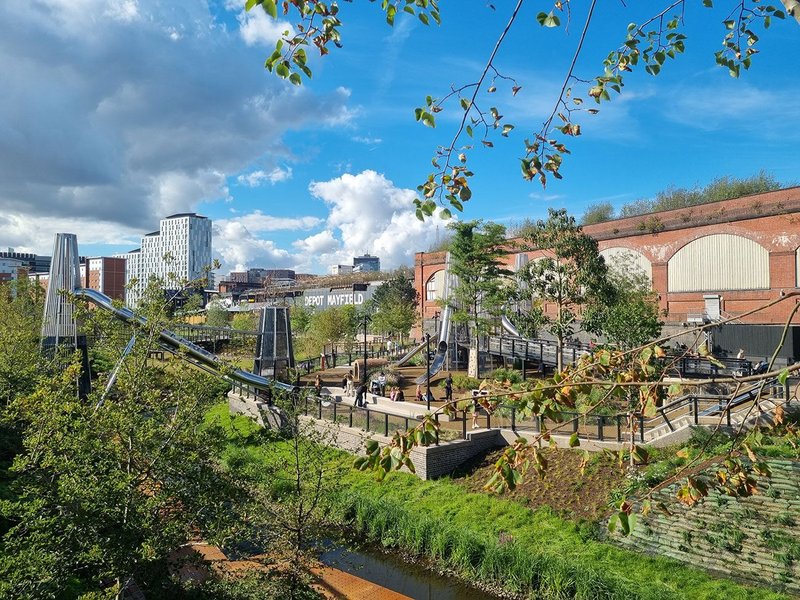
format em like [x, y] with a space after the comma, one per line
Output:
[496, 540]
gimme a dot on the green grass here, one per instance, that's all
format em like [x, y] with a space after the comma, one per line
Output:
[493, 539]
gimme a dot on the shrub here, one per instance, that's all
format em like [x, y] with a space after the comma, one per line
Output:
[462, 382]
[511, 375]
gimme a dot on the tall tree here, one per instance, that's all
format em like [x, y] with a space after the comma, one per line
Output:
[630, 317]
[394, 305]
[569, 273]
[105, 489]
[476, 260]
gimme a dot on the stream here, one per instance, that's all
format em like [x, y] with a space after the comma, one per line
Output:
[391, 572]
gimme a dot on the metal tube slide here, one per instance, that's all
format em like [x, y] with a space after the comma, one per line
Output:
[176, 342]
[509, 326]
[409, 355]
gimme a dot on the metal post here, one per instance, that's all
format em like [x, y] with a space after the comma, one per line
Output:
[513, 419]
[367, 419]
[696, 410]
[364, 377]
[619, 428]
[334, 412]
[464, 424]
[386, 424]
[428, 367]
[641, 428]
[600, 427]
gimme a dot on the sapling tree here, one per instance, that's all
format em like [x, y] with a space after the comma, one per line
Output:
[567, 272]
[476, 262]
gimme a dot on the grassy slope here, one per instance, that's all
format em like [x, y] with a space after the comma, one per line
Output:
[462, 531]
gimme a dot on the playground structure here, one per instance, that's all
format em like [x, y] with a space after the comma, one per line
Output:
[59, 328]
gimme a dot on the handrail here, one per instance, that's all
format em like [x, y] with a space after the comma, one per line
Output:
[177, 342]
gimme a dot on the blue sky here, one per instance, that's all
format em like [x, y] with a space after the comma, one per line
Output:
[114, 113]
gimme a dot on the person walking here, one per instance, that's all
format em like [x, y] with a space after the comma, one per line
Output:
[348, 388]
[448, 388]
[318, 385]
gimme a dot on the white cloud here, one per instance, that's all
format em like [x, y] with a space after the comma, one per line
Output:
[239, 242]
[27, 235]
[257, 28]
[132, 109]
[258, 222]
[368, 214]
[256, 178]
[370, 141]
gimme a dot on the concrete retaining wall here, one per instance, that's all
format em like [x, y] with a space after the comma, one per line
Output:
[755, 539]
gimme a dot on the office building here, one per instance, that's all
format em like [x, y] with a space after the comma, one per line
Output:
[366, 263]
[177, 255]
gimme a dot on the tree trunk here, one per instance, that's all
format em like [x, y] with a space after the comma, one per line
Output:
[472, 363]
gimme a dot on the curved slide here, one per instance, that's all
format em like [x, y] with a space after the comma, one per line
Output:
[176, 342]
[509, 326]
[410, 354]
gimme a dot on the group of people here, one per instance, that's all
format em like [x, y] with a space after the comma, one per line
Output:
[379, 386]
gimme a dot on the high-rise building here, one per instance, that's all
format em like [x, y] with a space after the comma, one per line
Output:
[366, 263]
[177, 254]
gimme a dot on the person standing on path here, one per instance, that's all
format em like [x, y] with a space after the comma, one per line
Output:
[448, 388]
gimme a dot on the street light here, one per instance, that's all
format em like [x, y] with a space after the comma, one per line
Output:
[428, 365]
[364, 378]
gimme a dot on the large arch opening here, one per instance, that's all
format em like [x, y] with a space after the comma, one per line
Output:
[719, 262]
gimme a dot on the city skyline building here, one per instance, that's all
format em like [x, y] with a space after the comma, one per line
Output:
[177, 254]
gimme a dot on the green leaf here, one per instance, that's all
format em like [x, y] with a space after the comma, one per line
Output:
[295, 79]
[783, 376]
[574, 440]
[428, 120]
[271, 8]
[708, 3]
[250, 4]
[391, 11]
[445, 214]
[548, 19]
[424, 18]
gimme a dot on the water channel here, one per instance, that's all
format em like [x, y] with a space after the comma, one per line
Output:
[391, 572]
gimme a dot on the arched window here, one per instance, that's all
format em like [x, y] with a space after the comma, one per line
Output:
[434, 287]
[627, 259]
[719, 262]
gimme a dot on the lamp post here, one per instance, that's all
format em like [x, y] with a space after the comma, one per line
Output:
[364, 377]
[428, 366]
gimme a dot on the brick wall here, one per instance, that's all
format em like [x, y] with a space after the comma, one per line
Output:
[771, 219]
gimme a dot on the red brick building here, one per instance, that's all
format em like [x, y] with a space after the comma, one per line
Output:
[104, 274]
[716, 260]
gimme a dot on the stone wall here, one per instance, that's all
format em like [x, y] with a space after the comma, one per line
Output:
[755, 539]
[429, 461]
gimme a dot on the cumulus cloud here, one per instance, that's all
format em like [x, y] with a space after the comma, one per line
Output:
[26, 235]
[258, 28]
[256, 178]
[240, 243]
[369, 214]
[132, 109]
